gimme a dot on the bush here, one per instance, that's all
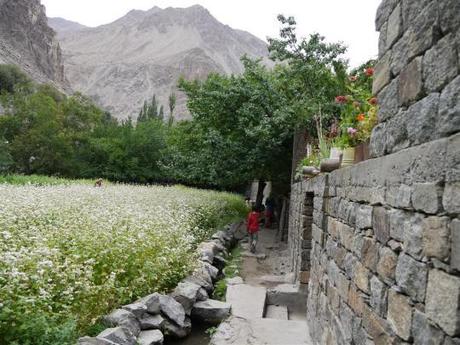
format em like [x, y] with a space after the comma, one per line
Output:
[10, 76]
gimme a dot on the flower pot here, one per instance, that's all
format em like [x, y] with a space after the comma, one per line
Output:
[329, 164]
[335, 153]
[362, 152]
[348, 157]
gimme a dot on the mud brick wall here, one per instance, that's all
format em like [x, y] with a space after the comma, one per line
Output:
[385, 249]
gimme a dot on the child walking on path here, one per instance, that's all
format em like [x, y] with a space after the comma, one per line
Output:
[253, 228]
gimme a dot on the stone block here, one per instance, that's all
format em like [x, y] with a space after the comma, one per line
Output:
[334, 298]
[388, 101]
[346, 236]
[421, 119]
[397, 137]
[399, 196]
[410, 10]
[453, 157]
[411, 277]
[383, 12]
[424, 332]
[364, 217]
[449, 109]
[399, 314]
[436, 237]
[304, 277]
[451, 341]
[377, 327]
[399, 220]
[455, 245]
[442, 301]
[427, 197]
[370, 253]
[378, 142]
[424, 30]
[440, 64]
[356, 300]
[383, 40]
[386, 267]
[346, 320]
[361, 277]
[394, 29]
[349, 264]
[379, 294]
[411, 82]
[400, 54]
[381, 224]
[343, 285]
[413, 235]
[318, 235]
[382, 75]
[448, 12]
[451, 198]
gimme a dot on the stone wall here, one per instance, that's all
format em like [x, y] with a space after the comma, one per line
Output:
[385, 249]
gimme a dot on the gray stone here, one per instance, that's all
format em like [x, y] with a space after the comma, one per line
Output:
[234, 281]
[152, 302]
[449, 109]
[364, 217]
[378, 142]
[424, 30]
[427, 197]
[455, 246]
[202, 295]
[173, 310]
[421, 119]
[451, 198]
[381, 224]
[346, 321]
[424, 332]
[382, 74]
[154, 337]
[383, 12]
[394, 29]
[378, 296]
[138, 309]
[440, 64]
[152, 322]
[396, 133]
[118, 335]
[411, 9]
[399, 196]
[448, 12]
[453, 158]
[383, 40]
[388, 100]
[413, 236]
[442, 302]
[94, 341]
[451, 341]
[411, 82]
[370, 253]
[211, 311]
[186, 294]
[212, 271]
[361, 277]
[171, 329]
[399, 314]
[436, 237]
[199, 279]
[400, 54]
[125, 318]
[411, 277]
[386, 267]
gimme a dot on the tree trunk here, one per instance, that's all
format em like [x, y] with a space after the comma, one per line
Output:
[260, 193]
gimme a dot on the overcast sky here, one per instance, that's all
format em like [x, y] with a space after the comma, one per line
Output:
[348, 21]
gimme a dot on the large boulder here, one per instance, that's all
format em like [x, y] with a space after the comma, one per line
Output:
[173, 310]
[152, 302]
[137, 308]
[211, 311]
[94, 341]
[202, 295]
[154, 337]
[219, 262]
[186, 294]
[212, 271]
[198, 279]
[207, 250]
[152, 322]
[123, 318]
[171, 329]
[118, 335]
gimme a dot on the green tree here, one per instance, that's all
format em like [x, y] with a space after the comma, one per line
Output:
[172, 106]
[10, 77]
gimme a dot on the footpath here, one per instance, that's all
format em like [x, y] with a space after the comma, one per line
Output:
[266, 307]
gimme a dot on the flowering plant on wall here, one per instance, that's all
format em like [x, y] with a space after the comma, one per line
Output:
[358, 108]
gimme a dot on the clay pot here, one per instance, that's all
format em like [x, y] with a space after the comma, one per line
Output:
[348, 157]
[328, 165]
[362, 152]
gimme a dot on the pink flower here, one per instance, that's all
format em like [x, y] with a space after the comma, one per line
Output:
[352, 131]
[341, 99]
[369, 71]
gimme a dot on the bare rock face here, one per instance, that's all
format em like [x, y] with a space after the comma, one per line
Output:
[26, 40]
[123, 63]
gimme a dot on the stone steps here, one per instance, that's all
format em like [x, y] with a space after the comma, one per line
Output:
[278, 312]
[247, 301]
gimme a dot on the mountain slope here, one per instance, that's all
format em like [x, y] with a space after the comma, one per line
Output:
[123, 63]
[61, 25]
[26, 40]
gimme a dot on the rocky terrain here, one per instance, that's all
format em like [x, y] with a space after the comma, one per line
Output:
[123, 63]
[26, 40]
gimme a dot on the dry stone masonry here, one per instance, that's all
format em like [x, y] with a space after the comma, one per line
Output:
[385, 250]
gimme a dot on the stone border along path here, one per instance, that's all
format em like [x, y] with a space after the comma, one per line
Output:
[148, 320]
[267, 309]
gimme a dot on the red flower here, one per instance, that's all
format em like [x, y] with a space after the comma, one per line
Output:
[369, 71]
[373, 101]
[360, 117]
[341, 99]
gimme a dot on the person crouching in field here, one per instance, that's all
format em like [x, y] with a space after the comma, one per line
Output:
[253, 228]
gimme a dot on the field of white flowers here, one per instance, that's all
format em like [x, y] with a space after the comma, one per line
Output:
[72, 253]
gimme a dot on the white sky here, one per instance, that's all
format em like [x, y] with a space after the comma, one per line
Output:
[348, 21]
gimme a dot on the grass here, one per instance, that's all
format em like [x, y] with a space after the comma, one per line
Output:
[41, 180]
[231, 270]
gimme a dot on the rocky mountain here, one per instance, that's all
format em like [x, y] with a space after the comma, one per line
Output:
[123, 63]
[63, 26]
[26, 40]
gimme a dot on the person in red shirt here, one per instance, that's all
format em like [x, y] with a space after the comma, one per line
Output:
[253, 228]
